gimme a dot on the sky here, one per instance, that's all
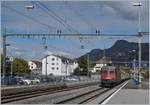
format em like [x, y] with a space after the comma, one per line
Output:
[71, 17]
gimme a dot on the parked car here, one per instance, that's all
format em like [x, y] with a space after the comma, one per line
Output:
[35, 81]
[26, 81]
[71, 79]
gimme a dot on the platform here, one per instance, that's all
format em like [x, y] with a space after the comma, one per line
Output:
[131, 94]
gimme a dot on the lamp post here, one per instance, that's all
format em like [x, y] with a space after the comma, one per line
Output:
[66, 68]
[4, 51]
[134, 63]
[67, 62]
[45, 48]
[88, 65]
[11, 60]
[139, 4]
[4, 40]
[46, 67]
[29, 7]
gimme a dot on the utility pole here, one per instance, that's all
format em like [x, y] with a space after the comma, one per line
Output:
[88, 72]
[139, 45]
[140, 36]
[4, 51]
[139, 4]
[139, 42]
[11, 60]
[46, 67]
[66, 67]
[45, 47]
[134, 67]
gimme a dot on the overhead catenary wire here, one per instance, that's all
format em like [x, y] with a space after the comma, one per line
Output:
[51, 13]
[60, 18]
[33, 19]
[80, 16]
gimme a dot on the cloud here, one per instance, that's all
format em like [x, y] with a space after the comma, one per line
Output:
[126, 9]
[110, 11]
[64, 53]
[18, 52]
[48, 52]
[60, 53]
[16, 49]
[108, 16]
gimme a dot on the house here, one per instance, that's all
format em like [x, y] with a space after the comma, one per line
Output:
[35, 66]
[58, 65]
[101, 63]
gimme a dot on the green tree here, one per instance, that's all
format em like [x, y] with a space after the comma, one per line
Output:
[77, 71]
[146, 75]
[20, 67]
[83, 63]
[1, 63]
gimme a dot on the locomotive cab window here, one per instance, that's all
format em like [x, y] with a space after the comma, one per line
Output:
[104, 71]
[111, 71]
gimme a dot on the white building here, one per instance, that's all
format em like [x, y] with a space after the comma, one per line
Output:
[101, 63]
[98, 67]
[58, 65]
[34, 65]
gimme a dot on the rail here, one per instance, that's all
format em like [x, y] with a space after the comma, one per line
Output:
[29, 94]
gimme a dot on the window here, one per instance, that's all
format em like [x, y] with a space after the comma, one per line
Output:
[53, 68]
[53, 59]
[53, 63]
[104, 71]
[111, 72]
[57, 68]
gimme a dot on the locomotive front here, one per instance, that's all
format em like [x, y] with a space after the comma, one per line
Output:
[109, 76]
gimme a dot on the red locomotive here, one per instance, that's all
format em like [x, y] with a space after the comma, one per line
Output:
[110, 76]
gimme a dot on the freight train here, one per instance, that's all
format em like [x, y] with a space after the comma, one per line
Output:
[111, 76]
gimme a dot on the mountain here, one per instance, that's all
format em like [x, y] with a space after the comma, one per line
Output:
[121, 51]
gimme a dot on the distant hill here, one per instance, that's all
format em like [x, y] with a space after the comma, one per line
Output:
[121, 51]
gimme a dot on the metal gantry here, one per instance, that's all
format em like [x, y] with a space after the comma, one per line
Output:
[60, 36]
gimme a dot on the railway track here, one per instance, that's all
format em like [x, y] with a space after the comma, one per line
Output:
[82, 98]
[79, 98]
[89, 96]
[21, 96]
